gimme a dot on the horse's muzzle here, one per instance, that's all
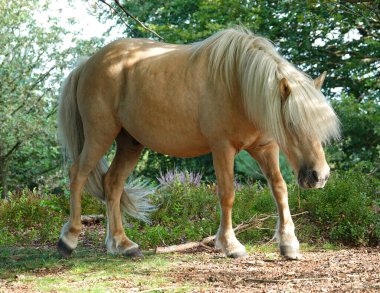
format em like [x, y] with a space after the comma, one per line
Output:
[312, 179]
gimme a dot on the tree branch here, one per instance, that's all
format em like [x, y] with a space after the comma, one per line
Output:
[47, 170]
[13, 149]
[91, 219]
[126, 12]
[32, 87]
[117, 12]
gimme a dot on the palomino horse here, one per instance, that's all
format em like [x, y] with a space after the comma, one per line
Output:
[228, 93]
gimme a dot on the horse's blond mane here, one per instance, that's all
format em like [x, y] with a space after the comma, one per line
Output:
[237, 55]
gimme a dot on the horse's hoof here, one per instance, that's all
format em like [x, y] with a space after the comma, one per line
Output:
[290, 252]
[134, 252]
[64, 249]
[239, 254]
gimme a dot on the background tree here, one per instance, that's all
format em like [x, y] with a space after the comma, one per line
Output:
[32, 65]
[25, 105]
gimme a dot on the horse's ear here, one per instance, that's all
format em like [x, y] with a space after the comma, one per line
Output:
[318, 82]
[284, 89]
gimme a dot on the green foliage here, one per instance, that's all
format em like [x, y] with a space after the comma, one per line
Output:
[23, 219]
[342, 38]
[255, 201]
[346, 211]
[185, 213]
[247, 169]
[189, 213]
[26, 95]
[151, 164]
[32, 65]
[360, 146]
[31, 217]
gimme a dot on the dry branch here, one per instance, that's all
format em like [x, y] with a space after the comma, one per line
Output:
[127, 13]
[91, 219]
[252, 223]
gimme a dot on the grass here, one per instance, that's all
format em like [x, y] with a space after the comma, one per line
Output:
[42, 269]
[91, 269]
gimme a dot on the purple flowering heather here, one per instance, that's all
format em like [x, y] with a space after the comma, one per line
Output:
[183, 177]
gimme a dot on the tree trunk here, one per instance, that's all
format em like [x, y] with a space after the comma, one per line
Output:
[3, 172]
[3, 178]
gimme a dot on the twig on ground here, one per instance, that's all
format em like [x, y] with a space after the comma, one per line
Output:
[169, 288]
[283, 280]
[91, 219]
[252, 223]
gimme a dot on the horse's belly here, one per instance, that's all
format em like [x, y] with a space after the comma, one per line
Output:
[167, 134]
[177, 147]
[171, 142]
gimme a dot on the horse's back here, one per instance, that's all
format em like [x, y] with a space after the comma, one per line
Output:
[112, 62]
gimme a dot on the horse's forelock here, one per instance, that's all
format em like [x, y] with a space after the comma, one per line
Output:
[309, 114]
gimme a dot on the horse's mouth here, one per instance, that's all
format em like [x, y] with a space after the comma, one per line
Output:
[306, 182]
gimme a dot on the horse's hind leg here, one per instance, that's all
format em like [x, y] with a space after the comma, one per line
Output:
[68, 239]
[223, 159]
[127, 155]
[91, 153]
[268, 159]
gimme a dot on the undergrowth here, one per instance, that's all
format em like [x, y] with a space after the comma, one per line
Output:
[345, 212]
[35, 218]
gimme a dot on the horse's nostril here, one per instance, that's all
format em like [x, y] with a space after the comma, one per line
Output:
[314, 174]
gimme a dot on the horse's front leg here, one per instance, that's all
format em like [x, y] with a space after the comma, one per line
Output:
[223, 159]
[268, 159]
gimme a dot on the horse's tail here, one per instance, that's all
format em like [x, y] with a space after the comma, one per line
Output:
[134, 200]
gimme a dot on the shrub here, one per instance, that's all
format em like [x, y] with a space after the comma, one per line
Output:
[345, 211]
[188, 213]
[185, 213]
[26, 218]
[31, 217]
[361, 134]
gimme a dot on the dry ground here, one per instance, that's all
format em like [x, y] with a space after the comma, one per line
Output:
[349, 270]
[323, 271]
[90, 269]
